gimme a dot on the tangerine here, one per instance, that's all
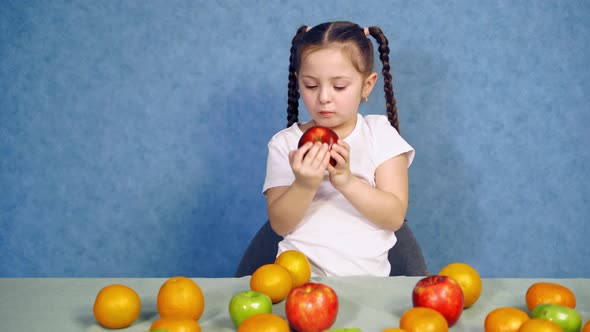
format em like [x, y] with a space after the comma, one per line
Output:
[116, 306]
[297, 264]
[176, 325]
[548, 292]
[422, 319]
[272, 280]
[394, 329]
[180, 297]
[586, 327]
[264, 322]
[505, 319]
[539, 325]
[468, 279]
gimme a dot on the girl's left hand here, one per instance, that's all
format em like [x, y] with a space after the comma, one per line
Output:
[340, 174]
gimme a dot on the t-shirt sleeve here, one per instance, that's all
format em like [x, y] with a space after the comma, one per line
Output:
[388, 141]
[278, 169]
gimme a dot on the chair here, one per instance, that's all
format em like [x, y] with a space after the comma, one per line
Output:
[405, 257]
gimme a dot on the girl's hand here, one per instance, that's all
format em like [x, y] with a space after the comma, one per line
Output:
[340, 175]
[309, 163]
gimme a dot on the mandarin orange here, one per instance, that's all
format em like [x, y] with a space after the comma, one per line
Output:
[468, 279]
[539, 325]
[180, 297]
[505, 319]
[264, 322]
[297, 264]
[176, 325]
[272, 280]
[422, 319]
[551, 293]
[116, 306]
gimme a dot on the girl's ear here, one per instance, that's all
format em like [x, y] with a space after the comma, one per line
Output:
[369, 84]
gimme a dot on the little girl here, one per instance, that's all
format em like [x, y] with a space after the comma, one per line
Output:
[341, 217]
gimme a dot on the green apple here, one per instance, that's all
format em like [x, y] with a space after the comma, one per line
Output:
[248, 303]
[567, 318]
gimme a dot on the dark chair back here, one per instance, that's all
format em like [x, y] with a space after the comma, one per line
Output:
[405, 257]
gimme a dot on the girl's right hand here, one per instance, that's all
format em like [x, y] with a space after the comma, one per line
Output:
[309, 163]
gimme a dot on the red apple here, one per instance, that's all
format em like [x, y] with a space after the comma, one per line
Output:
[440, 293]
[319, 134]
[311, 307]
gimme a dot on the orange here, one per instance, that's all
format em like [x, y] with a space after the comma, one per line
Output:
[505, 319]
[176, 325]
[180, 297]
[421, 319]
[539, 325]
[586, 327]
[264, 323]
[116, 306]
[272, 280]
[547, 292]
[297, 264]
[468, 278]
[393, 329]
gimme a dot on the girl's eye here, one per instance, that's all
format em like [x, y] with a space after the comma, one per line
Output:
[339, 87]
[310, 86]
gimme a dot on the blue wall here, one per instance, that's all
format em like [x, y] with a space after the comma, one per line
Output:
[133, 134]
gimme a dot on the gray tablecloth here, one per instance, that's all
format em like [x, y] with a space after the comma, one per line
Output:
[372, 304]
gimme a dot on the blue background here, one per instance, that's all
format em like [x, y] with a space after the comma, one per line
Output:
[133, 133]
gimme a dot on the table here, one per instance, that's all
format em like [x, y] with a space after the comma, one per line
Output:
[370, 303]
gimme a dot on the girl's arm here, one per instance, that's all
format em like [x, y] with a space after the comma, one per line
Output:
[385, 205]
[287, 205]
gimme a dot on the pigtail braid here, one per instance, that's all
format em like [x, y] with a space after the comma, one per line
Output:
[293, 88]
[390, 102]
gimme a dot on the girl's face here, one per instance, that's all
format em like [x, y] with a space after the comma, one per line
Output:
[332, 88]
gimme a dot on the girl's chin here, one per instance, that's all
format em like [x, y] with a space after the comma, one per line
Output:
[322, 122]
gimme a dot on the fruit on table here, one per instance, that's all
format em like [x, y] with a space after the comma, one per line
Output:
[468, 278]
[539, 325]
[297, 264]
[319, 134]
[422, 319]
[248, 303]
[311, 307]
[586, 327]
[567, 318]
[272, 280]
[344, 329]
[180, 297]
[264, 323]
[548, 292]
[440, 293]
[116, 306]
[504, 319]
[175, 325]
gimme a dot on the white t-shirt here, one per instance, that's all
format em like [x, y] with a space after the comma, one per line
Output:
[335, 237]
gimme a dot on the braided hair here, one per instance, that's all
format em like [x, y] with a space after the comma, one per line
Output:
[350, 35]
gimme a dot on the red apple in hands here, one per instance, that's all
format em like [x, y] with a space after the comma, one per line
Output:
[319, 134]
[311, 307]
[440, 293]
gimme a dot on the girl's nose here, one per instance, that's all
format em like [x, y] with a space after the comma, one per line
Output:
[325, 96]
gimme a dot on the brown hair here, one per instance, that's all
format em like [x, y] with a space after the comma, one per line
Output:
[344, 33]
